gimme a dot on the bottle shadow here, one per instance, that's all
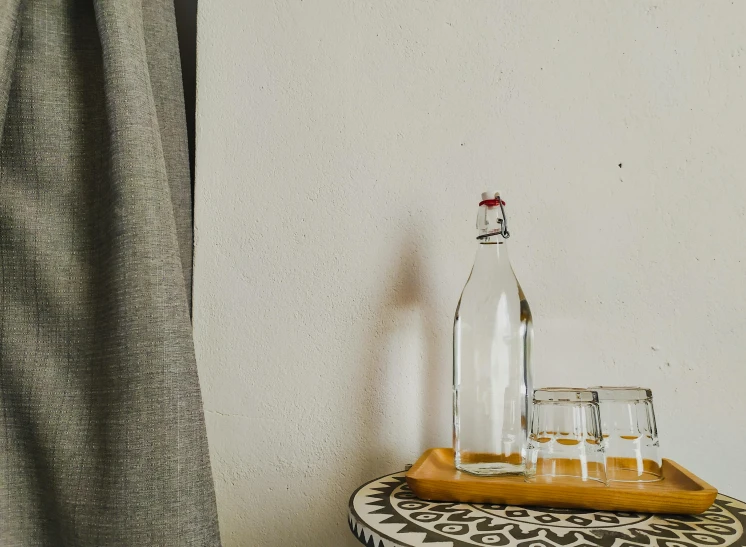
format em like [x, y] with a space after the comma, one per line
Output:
[399, 404]
[407, 370]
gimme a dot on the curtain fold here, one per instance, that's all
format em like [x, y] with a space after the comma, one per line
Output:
[102, 435]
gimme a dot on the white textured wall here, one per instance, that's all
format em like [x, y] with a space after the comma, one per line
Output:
[342, 147]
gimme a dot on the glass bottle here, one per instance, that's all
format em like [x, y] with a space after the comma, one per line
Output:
[492, 335]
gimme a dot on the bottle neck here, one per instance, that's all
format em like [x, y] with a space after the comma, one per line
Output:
[492, 253]
[492, 235]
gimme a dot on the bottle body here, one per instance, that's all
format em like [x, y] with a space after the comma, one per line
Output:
[492, 382]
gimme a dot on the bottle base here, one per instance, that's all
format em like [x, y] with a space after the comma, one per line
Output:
[491, 469]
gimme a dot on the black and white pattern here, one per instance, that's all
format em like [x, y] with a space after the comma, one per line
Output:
[385, 513]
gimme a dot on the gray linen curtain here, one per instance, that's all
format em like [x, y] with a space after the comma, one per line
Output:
[102, 436]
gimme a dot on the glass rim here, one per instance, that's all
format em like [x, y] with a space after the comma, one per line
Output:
[622, 393]
[565, 395]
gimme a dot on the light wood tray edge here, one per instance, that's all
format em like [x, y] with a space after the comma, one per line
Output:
[706, 487]
[698, 500]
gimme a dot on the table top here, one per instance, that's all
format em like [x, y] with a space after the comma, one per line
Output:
[385, 513]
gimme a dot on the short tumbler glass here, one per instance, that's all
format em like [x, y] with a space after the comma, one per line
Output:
[630, 434]
[565, 439]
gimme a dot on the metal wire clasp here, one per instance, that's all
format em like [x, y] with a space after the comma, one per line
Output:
[504, 223]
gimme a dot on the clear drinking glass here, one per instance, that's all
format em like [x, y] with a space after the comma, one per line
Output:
[565, 439]
[491, 356]
[630, 434]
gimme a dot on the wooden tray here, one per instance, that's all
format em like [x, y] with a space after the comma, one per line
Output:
[435, 478]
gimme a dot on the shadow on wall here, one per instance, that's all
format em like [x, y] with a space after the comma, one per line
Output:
[394, 403]
[404, 372]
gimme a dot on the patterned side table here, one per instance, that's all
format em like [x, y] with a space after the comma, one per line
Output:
[385, 513]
